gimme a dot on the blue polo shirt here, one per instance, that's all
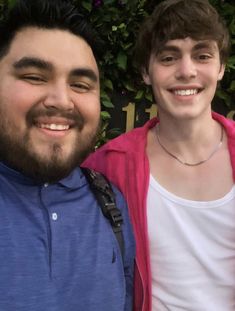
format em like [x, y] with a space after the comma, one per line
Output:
[57, 250]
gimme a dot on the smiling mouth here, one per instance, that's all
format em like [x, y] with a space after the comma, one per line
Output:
[186, 92]
[54, 127]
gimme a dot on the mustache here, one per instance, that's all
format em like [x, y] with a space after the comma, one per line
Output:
[75, 116]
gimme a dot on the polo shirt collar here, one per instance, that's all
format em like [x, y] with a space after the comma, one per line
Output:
[74, 180]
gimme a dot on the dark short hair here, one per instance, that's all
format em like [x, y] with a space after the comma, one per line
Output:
[47, 14]
[179, 19]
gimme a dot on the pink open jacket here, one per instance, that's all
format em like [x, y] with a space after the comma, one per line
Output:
[124, 161]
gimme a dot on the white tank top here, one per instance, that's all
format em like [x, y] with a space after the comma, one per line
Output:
[192, 251]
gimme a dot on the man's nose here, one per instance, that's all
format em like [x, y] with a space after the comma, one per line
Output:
[58, 97]
[186, 68]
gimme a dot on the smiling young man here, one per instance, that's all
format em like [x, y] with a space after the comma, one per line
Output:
[177, 171]
[58, 252]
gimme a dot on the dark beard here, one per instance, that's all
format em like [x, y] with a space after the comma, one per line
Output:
[17, 153]
[52, 171]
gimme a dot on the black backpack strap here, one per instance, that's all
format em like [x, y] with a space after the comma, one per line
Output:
[105, 196]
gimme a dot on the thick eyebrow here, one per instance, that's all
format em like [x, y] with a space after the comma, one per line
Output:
[168, 48]
[84, 72]
[199, 46]
[27, 62]
[204, 45]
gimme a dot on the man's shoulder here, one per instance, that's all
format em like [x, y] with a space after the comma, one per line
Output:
[223, 119]
[100, 184]
[106, 192]
[228, 124]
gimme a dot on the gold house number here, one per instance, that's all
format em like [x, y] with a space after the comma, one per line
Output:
[131, 117]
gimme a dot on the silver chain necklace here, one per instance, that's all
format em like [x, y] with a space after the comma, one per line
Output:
[186, 163]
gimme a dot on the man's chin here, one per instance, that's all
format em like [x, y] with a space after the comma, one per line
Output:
[58, 165]
[44, 163]
[50, 167]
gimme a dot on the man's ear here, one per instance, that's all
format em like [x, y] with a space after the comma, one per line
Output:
[221, 72]
[146, 77]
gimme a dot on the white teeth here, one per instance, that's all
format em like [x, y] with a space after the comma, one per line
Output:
[186, 92]
[55, 127]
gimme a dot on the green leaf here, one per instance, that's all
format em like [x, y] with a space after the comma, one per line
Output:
[107, 103]
[105, 100]
[127, 46]
[232, 86]
[87, 5]
[105, 115]
[139, 95]
[149, 97]
[122, 60]
[122, 25]
[129, 86]
[104, 95]
[108, 83]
